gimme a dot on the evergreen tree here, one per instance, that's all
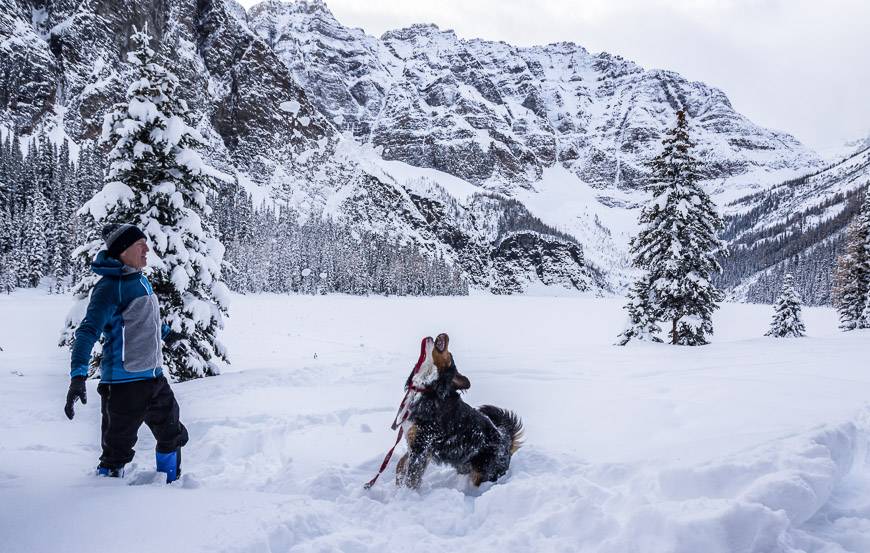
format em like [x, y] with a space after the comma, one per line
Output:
[158, 181]
[88, 174]
[323, 256]
[17, 192]
[58, 265]
[851, 291]
[32, 243]
[44, 162]
[643, 314]
[7, 275]
[59, 231]
[5, 181]
[787, 312]
[677, 246]
[7, 232]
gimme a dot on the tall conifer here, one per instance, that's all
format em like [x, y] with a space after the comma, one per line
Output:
[158, 181]
[676, 247]
[787, 320]
[851, 291]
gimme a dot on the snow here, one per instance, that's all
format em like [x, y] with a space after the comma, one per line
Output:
[110, 194]
[221, 293]
[291, 107]
[140, 149]
[99, 82]
[411, 177]
[200, 312]
[53, 127]
[176, 128]
[141, 110]
[180, 279]
[261, 196]
[604, 224]
[746, 445]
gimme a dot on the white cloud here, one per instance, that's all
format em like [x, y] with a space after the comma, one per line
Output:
[795, 65]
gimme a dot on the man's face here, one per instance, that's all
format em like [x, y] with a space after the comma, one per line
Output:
[135, 255]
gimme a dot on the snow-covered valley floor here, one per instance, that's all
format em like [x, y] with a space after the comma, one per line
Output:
[749, 444]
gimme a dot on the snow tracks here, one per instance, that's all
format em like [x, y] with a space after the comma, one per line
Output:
[803, 493]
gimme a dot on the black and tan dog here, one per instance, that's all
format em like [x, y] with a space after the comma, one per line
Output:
[441, 427]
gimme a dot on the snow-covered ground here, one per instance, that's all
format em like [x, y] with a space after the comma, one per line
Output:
[749, 444]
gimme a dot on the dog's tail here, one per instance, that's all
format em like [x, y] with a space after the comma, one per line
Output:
[507, 421]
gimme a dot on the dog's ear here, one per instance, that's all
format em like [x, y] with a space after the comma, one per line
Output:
[442, 341]
[460, 382]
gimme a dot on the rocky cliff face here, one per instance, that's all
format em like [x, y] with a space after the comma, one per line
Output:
[495, 240]
[497, 115]
[416, 133]
[70, 56]
[520, 257]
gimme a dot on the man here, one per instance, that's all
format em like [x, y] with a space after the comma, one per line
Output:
[133, 390]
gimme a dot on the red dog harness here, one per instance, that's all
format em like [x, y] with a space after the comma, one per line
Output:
[402, 414]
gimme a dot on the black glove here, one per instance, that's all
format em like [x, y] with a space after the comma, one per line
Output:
[172, 338]
[77, 390]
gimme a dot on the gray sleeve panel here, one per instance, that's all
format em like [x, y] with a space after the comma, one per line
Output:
[142, 346]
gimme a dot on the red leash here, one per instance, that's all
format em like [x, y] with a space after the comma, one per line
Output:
[386, 460]
[403, 413]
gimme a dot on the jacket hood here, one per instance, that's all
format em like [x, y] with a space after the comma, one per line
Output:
[106, 265]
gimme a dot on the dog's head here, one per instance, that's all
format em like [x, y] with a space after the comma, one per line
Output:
[443, 360]
[436, 369]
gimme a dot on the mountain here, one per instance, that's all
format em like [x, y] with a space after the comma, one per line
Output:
[857, 145]
[835, 153]
[496, 115]
[522, 165]
[797, 226]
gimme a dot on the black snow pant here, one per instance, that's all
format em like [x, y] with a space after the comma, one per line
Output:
[126, 406]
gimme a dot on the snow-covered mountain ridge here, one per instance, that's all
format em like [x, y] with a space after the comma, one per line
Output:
[497, 115]
[796, 226]
[330, 120]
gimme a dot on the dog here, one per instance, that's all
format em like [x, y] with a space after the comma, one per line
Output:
[440, 426]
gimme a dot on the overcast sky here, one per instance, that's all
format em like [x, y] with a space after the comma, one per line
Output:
[801, 66]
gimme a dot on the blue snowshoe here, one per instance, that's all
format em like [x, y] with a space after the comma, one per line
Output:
[170, 463]
[110, 472]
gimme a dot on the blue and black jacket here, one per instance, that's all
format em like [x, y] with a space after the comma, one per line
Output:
[125, 310]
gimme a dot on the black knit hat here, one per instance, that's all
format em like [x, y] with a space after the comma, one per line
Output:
[119, 237]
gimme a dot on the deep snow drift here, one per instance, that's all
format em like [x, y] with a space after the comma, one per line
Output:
[751, 444]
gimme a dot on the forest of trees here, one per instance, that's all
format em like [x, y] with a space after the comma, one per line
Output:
[272, 250]
[851, 290]
[42, 185]
[809, 252]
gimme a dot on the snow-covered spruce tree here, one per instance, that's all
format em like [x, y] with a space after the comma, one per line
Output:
[787, 319]
[677, 244]
[851, 291]
[7, 273]
[7, 230]
[157, 180]
[62, 228]
[643, 314]
[32, 248]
